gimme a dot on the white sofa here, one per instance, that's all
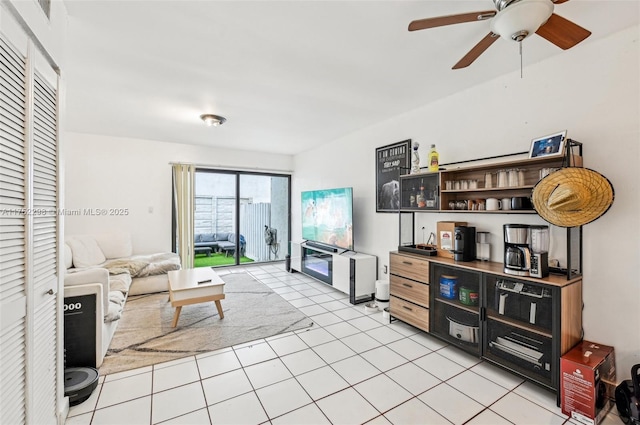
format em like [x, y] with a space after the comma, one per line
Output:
[104, 265]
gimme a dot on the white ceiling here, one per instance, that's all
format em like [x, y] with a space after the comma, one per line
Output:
[288, 75]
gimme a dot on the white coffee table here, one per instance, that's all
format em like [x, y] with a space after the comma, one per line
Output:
[193, 286]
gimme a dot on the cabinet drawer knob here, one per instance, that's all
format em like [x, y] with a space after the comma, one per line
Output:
[407, 308]
[408, 263]
[407, 285]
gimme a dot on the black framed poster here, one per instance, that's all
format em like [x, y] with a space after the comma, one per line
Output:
[391, 161]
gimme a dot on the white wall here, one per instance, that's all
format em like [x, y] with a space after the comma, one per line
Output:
[114, 173]
[592, 91]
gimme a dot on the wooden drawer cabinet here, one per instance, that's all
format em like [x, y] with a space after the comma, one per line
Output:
[416, 292]
[409, 289]
[410, 267]
[410, 313]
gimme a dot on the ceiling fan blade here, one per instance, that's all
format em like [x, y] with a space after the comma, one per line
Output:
[562, 32]
[441, 21]
[559, 1]
[476, 51]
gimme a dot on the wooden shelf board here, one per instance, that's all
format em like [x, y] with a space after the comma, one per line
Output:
[470, 211]
[457, 304]
[487, 189]
[492, 315]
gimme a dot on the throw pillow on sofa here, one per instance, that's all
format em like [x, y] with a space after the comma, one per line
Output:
[207, 237]
[86, 252]
[222, 236]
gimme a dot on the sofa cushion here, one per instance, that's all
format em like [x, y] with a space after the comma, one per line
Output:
[207, 237]
[205, 244]
[226, 245]
[232, 237]
[222, 236]
[86, 252]
[115, 245]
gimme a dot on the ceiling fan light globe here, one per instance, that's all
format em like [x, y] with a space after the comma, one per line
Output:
[525, 16]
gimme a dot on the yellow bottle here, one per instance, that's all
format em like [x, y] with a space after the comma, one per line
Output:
[433, 159]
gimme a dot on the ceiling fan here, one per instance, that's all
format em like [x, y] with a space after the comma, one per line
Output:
[513, 20]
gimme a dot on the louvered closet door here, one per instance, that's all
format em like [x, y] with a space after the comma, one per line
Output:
[12, 237]
[44, 273]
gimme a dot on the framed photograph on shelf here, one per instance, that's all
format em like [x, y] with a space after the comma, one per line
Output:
[391, 161]
[551, 145]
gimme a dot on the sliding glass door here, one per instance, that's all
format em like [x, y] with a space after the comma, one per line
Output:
[264, 217]
[240, 217]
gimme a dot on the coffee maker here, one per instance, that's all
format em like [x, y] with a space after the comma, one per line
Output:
[517, 251]
[464, 243]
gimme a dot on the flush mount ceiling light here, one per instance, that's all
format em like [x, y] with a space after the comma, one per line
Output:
[210, 119]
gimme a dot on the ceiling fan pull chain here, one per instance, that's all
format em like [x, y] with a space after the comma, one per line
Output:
[520, 48]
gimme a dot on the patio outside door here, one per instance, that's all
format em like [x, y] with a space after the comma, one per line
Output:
[240, 209]
[264, 216]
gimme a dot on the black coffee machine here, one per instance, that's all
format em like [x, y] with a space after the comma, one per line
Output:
[517, 249]
[464, 243]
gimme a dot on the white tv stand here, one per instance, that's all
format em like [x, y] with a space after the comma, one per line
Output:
[350, 272]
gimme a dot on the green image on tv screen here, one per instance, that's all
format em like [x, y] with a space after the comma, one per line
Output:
[327, 217]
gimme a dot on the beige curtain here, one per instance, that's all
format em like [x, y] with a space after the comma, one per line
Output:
[184, 200]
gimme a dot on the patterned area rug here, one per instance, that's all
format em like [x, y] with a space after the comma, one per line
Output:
[145, 336]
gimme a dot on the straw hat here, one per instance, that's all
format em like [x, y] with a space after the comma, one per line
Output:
[572, 196]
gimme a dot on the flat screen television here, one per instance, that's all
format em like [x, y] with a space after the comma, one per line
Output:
[327, 217]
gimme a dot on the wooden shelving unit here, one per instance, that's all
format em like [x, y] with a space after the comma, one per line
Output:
[435, 184]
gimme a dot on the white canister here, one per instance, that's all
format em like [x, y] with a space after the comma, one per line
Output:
[505, 203]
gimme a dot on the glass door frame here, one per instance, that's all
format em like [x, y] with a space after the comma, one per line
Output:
[237, 174]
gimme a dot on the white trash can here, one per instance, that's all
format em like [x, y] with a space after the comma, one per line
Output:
[382, 293]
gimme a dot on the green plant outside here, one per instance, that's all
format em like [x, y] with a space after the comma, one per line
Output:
[217, 259]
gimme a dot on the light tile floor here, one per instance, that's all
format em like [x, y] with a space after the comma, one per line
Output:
[349, 368]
